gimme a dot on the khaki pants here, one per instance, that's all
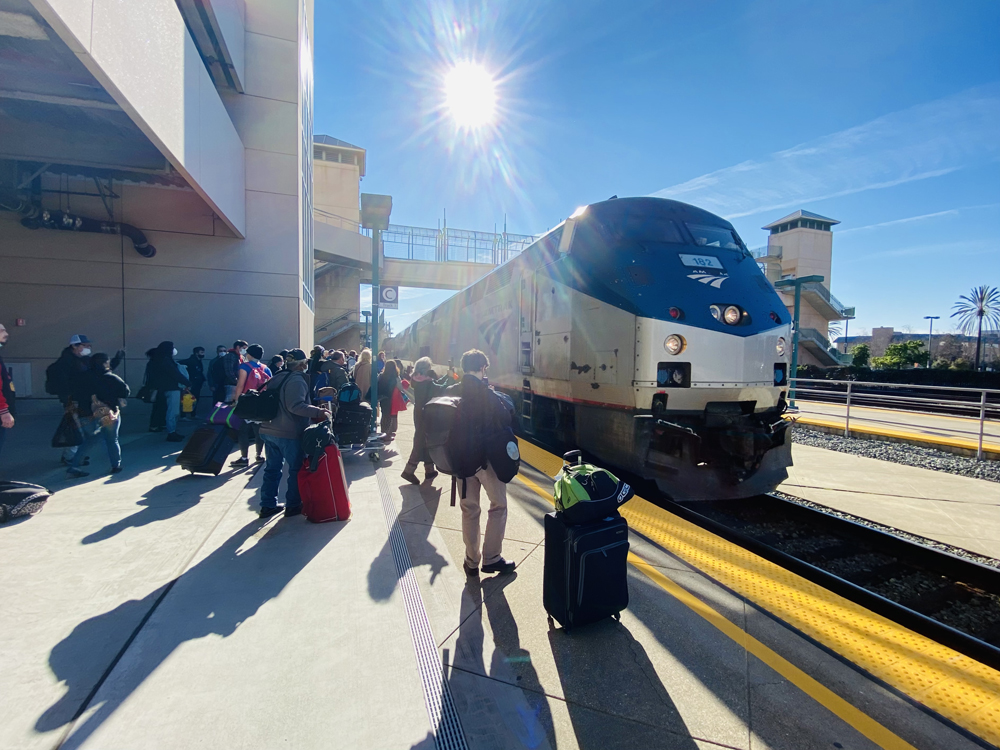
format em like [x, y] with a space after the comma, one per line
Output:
[496, 518]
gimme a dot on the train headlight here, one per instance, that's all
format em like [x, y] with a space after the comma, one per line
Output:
[716, 312]
[674, 344]
[780, 346]
[732, 315]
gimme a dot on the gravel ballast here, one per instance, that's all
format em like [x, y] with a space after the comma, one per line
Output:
[909, 455]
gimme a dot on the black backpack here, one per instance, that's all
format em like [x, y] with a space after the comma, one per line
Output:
[56, 382]
[439, 416]
[262, 405]
[502, 450]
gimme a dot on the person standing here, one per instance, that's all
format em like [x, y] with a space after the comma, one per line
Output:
[424, 389]
[166, 379]
[380, 363]
[277, 364]
[352, 359]
[61, 375]
[388, 382]
[231, 369]
[253, 375]
[216, 380]
[7, 407]
[100, 395]
[363, 374]
[195, 365]
[336, 371]
[479, 408]
[283, 435]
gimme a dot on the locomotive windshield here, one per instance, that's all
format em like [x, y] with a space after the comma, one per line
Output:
[707, 236]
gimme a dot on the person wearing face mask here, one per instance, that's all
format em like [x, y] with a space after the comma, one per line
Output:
[216, 376]
[164, 377]
[6, 393]
[61, 375]
[231, 369]
[100, 395]
[196, 374]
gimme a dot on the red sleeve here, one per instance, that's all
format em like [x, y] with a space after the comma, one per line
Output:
[4, 408]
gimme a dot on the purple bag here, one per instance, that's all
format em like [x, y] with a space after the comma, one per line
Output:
[225, 414]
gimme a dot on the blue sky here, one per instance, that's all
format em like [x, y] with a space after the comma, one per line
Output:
[884, 115]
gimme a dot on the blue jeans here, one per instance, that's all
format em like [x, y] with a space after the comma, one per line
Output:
[3, 433]
[93, 431]
[173, 410]
[278, 451]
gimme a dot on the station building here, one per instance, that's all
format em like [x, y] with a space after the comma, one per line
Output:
[179, 125]
[801, 244]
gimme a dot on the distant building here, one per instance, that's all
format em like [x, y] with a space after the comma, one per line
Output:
[881, 338]
[801, 244]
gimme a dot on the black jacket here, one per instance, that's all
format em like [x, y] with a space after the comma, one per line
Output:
[424, 391]
[480, 413]
[107, 386]
[69, 367]
[196, 371]
[161, 371]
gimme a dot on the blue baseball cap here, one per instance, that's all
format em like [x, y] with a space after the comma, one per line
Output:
[78, 339]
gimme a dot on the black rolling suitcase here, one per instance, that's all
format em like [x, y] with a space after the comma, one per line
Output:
[586, 570]
[352, 425]
[207, 449]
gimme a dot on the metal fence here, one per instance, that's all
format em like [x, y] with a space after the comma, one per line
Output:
[422, 243]
[977, 405]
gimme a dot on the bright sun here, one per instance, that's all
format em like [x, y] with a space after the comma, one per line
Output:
[470, 95]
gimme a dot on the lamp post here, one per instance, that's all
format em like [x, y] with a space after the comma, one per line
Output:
[367, 314]
[930, 338]
[797, 284]
[375, 210]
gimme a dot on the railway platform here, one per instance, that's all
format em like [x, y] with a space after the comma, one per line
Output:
[942, 431]
[155, 610]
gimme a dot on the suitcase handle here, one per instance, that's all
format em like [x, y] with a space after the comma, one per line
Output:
[570, 455]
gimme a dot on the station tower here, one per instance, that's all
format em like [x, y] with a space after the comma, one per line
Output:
[801, 244]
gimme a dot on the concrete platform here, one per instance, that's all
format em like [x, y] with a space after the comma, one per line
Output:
[956, 510]
[955, 434]
[155, 610]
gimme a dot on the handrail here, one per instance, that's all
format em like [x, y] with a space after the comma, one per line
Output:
[347, 314]
[980, 404]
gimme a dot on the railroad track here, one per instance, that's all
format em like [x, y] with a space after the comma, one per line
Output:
[950, 599]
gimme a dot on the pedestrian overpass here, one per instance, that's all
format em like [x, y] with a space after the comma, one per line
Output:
[421, 257]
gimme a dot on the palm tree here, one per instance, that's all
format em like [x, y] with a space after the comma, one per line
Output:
[981, 302]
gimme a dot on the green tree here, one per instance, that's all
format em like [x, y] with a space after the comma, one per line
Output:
[898, 356]
[982, 302]
[861, 354]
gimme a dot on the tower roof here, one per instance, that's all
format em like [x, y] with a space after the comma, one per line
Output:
[800, 214]
[329, 140]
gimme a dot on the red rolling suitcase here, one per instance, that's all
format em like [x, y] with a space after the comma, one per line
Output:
[324, 491]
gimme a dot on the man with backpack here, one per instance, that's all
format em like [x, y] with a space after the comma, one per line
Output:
[61, 375]
[424, 389]
[283, 435]
[253, 374]
[336, 371]
[479, 411]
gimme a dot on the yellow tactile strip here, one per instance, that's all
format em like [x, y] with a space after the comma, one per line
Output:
[913, 437]
[955, 686]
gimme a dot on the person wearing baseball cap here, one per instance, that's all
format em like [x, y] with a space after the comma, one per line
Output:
[62, 375]
[283, 435]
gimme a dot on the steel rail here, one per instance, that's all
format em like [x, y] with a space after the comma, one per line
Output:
[908, 553]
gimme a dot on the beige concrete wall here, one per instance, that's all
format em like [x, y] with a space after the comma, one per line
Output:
[337, 294]
[336, 188]
[204, 287]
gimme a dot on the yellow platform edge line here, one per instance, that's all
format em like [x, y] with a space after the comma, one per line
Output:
[915, 437]
[913, 664]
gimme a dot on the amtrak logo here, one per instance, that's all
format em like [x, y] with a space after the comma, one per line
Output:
[708, 279]
[492, 331]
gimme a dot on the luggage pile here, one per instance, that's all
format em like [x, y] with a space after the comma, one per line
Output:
[586, 546]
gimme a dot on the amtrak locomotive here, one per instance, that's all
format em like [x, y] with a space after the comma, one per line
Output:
[642, 331]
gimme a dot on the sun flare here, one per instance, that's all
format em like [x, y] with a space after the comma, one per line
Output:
[470, 95]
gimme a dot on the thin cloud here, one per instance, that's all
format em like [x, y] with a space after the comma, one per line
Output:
[922, 217]
[922, 142]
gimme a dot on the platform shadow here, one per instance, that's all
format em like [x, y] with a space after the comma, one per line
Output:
[111, 654]
[382, 575]
[510, 700]
[160, 502]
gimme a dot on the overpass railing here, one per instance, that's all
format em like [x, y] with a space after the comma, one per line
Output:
[973, 406]
[448, 244]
